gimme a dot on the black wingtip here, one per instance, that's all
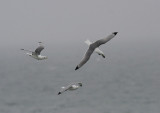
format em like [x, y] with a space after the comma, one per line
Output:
[59, 93]
[22, 49]
[76, 68]
[115, 33]
[103, 56]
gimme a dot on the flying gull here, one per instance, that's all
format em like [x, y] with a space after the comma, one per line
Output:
[70, 87]
[36, 54]
[93, 46]
[97, 50]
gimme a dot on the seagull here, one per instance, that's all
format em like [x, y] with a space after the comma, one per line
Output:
[36, 54]
[70, 87]
[93, 46]
[97, 50]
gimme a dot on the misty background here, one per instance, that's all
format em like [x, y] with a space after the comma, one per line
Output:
[126, 81]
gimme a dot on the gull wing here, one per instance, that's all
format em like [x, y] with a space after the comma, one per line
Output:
[86, 56]
[63, 89]
[39, 49]
[103, 41]
[26, 50]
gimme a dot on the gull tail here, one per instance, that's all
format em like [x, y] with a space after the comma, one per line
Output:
[88, 42]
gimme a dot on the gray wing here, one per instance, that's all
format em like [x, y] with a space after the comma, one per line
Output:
[39, 49]
[87, 55]
[26, 50]
[65, 89]
[103, 41]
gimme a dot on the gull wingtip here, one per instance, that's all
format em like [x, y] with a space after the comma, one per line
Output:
[115, 33]
[76, 68]
[59, 93]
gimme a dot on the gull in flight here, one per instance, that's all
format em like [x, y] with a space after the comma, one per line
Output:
[36, 54]
[70, 87]
[97, 50]
[93, 46]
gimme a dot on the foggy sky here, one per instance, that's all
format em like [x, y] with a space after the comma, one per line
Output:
[55, 22]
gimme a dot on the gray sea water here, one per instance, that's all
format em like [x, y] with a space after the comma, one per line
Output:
[127, 81]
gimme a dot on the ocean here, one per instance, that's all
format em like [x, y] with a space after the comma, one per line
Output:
[126, 81]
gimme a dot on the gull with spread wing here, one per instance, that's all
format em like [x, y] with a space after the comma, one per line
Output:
[36, 54]
[70, 87]
[97, 50]
[93, 46]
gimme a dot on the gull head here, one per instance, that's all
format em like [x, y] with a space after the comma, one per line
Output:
[80, 84]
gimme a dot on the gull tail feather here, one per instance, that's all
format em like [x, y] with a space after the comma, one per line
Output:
[88, 42]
